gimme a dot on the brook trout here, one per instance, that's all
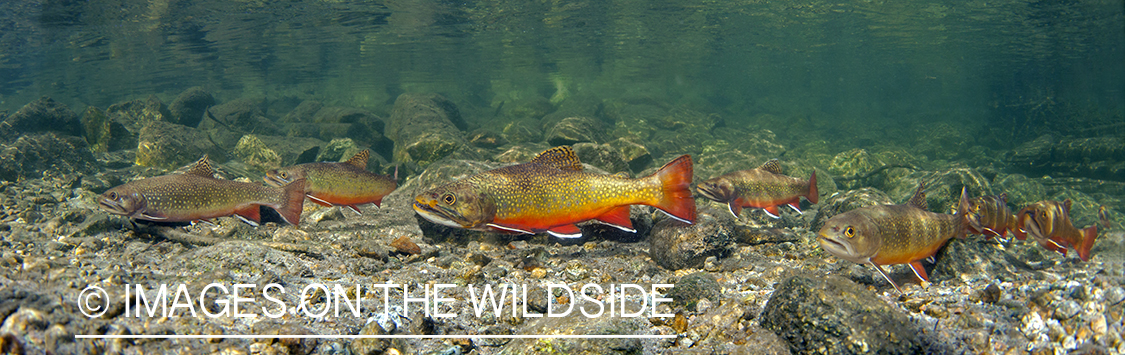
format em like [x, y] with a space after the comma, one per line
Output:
[893, 234]
[346, 184]
[198, 195]
[1048, 222]
[991, 217]
[763, 187]
[552, 192]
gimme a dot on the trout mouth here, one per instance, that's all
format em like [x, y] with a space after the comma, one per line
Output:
[111, 206]
[275, 181]
[835, 247]
[439, 215]
[711, 192]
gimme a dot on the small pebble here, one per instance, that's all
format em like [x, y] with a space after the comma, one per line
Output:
[404, 245]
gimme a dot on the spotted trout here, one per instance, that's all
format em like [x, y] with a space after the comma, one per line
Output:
[552, 192]
[762, 187]
[991, 217]
[345, 184]
[893, 234]
[198, 195]
[1048, 222]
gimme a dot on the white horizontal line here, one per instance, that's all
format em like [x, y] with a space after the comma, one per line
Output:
[395, 336]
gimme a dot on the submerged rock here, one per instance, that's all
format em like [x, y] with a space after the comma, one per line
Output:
[427, 128]
[847, 201]
[676, 245]
[104, 134]
[485, 138]
[31, 155]
[169, 146]
[694, 287]
[1081, 157]
[635, 154]
[253, 152]
[603, 156]
[833, 315]
[135, 115]
[522, 131]
[41, 115]
[573, 130]
[577, 324]
[243, 115]
[189, 107]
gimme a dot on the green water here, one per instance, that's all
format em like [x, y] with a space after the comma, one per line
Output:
[854, 73]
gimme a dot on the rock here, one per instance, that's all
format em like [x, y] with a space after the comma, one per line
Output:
[632, 121]
[104, 134]
[1079, 157]
[1021, 190]
[856, 168]
[520, 153]
[189, 107]
[404, 245]
[486, 139]
[339, 149]
[169, 146]
[303, 113]
[427, 128]
[577, 324]
[635, 154]
[603, 156]
[135, 115]
[358, 124]
[847, 201]
[694, 287]
[971, 258]
[295, 150]
[527, 107]
[522, 131]
[376, 346]
[832, 315]
[676, 245]
[573, 130]
[726, 329]
[243, 115]
[943, 188]
[31, 155]
[253, 152]
[41, 115]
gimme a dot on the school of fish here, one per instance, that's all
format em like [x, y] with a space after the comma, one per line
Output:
[553, 193]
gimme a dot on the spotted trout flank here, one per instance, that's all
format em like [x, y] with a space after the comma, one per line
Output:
[893, 234]
[552, 192]
[762, 187]
[198, 195]
[1048, 222]
[991, 217]
[344, 184]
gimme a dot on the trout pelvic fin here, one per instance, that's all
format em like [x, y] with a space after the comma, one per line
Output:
[566, 231]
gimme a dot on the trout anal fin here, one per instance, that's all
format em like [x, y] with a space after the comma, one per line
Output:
[247, 221]
[619, 218]
[885, 276]
[773, 212]
[920, 271]
[250, 214]
[566, 231]
[354, 208]
[796, 206]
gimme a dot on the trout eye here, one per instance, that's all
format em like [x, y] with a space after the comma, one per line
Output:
[283, 175]
[849, 232]
[449, 198]
[112, 195]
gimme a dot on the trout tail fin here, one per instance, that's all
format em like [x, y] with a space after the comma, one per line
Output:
[963, 213]
[675, 183]
[1088, 236]
[292, 201]
[813, 195]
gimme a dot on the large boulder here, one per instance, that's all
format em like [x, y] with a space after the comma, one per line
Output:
[676, 245]
[43, 115]
[104, 134]
[136, 114]
[168, 145]
[427, 128]
[30, 155]
[1080, 157]
[188, 108]
[245, 116]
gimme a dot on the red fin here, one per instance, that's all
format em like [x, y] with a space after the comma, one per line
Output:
[618, 217]
[796, 206]
[252, 213]
[813, 195]
[773, 212]
[293, 202]
[565, 231]
[920, 271]
[734, 208]
[319, 201]
[1088, 236]
[675, 181]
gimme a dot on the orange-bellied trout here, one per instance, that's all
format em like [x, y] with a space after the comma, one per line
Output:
[346, 184]
[198, 195]
[1048, 222]
[991, 217]
[893, 234]
[552, 192]
[762, 187]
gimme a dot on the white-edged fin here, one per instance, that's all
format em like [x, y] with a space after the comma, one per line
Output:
[768, 213]
[630, 230]
[930, 259]
[318, 201]
[204, 221]
[728, 209]
[510, 229]
[885, 276]
[252, 223]
[795, 208]
[566, 236]
[681, 219]
[152, 217]
[354, 209]
[920, 277]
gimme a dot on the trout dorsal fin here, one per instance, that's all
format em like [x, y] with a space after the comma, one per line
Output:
[561, 157]
[919, 198]
[359, 160]
[202, 168]
[771, 166]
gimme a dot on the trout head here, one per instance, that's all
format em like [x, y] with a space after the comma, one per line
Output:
[456, 205]
[849, 236]
[717, 189]
[284, 176]
[982, 212]
[1039, 219]
[125, 200]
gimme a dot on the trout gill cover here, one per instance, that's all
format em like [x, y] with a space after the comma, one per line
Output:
[198, 195]
[552, 192]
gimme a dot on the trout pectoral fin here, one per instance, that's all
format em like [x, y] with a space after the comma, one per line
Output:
[566, 231]
[920, 271]
[319, 201]
[734, 208]
[153, 216]
[618, 217]
[509, 229]
[885, 276]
